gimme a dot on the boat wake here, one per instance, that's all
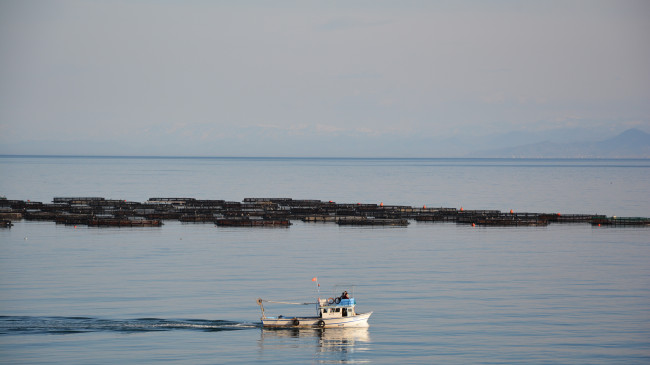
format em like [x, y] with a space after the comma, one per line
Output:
[13, 325]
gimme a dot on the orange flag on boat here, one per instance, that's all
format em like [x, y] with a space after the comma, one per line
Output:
[314, 279]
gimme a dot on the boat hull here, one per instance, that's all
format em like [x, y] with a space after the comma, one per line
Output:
[359, 320]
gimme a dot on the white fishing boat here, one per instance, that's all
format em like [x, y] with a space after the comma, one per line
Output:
[330, 313]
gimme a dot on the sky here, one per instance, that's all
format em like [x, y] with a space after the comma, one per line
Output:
[316, 78]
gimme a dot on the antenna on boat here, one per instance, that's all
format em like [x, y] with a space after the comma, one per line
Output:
[315, 278]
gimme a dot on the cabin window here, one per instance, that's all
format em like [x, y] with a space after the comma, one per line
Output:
[338, 310]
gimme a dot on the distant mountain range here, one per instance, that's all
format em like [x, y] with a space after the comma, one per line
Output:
[633, 143]
[554, 143]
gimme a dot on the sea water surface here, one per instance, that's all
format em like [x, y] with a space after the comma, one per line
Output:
[440, 293]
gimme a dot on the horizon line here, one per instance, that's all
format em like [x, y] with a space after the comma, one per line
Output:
[311, 157]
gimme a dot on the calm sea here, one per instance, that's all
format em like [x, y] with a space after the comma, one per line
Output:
[441, 293]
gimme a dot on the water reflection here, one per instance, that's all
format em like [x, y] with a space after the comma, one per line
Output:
[343, 345]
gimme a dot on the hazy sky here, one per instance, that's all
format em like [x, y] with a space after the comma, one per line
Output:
[317, 78]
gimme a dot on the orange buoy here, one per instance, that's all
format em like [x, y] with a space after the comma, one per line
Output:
[511, 211]
[473, 225]
[424, 207]
[461, 209]
[381, 204]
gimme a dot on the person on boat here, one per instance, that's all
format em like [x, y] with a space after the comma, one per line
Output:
[345, 295]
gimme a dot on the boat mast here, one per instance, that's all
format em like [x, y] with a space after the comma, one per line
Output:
[259, 301]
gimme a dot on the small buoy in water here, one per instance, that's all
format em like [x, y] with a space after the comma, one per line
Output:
[424, 207]
[381, 204]
[511, 211]
[461, 209]
[559, 214]
[473, 225]
[598, 224]
[75, 227]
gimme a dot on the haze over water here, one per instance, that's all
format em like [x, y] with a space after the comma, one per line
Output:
[185, 293]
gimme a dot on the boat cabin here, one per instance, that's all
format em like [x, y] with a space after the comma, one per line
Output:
[336, 308]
